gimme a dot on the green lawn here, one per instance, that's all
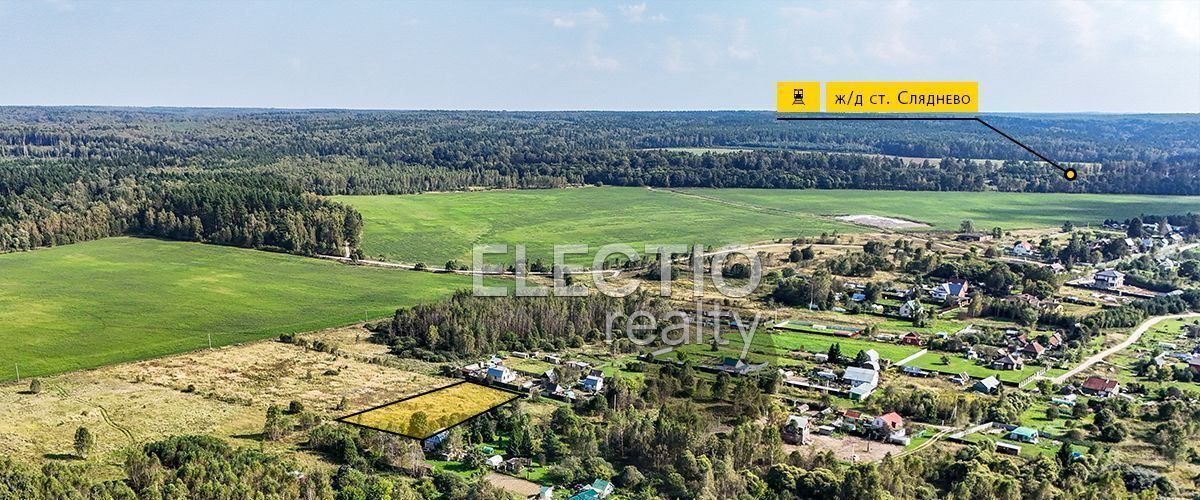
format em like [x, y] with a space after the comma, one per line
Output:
[125, 299]
[437, 227]
[945, 210]
[1044, 446]
[932, 361]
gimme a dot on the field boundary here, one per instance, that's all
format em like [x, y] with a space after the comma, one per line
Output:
[515, 395]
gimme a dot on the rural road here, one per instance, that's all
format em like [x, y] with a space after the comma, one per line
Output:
[1133, 337]
[412, 267]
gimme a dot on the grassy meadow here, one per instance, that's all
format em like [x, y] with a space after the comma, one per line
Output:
[123, 299]
[436, 227]
[946, 210]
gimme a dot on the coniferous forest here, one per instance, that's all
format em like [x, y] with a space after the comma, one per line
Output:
[247, 177]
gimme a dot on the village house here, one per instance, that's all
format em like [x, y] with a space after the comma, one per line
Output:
[1023, 249]
[1024, 435]
[1101, 387]
[1109, 279]
[1031, 301]
[1008, 362]
[872, 359]
[890, 422]
[987, 386]
[911, 338]
[501, 374]
[973, 237]
[952, 291]
[910, 309]
[862, 381]
[600, 489]
[852, 421]
[593, 383]
[1033, 350]
[796, 430]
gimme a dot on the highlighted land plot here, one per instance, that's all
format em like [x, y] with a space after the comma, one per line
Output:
[425, 415]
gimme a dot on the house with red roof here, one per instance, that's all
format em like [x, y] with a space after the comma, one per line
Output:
[1101, 387]
[911, 338]
[891, 421]
[1033, 350]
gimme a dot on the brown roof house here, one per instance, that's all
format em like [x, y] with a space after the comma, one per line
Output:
[1101, 387]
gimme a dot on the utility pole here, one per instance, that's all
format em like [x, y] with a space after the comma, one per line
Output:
[18, 367]
[210, 340]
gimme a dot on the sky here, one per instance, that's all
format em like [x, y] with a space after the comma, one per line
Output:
[1045, 56]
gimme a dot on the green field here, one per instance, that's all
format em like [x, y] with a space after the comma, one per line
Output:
[436, 227]
[946, 210]
[125, 299]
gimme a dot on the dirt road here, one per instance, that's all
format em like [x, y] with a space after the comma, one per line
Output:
[1133, 337]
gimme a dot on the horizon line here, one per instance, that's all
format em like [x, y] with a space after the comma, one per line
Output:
[559, 110]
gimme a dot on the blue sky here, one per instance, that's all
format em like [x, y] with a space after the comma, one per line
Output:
[1028, 56]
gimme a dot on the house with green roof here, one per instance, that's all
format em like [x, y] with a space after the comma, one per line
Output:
[1024, 435]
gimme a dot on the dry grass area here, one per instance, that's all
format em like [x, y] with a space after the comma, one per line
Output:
[425, 415]
[519, 487]
[222, 392]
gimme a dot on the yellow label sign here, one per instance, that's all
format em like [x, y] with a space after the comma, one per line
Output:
[798, 97]
[902, 97]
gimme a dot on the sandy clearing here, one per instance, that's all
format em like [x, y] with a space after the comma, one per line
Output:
[880, 221]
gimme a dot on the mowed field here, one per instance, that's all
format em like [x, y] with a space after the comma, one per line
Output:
[124, 299]
[946, 210]
[440, 409]
[436, 227]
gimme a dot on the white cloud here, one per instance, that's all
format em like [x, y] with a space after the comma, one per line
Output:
[741, 47]
[633, 13]
[895, 44]
[590, 18]
[1080, 18]
[1183, 18]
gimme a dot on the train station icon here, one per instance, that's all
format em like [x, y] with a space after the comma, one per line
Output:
[798, 96]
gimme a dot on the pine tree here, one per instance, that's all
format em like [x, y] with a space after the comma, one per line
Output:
[84, 442]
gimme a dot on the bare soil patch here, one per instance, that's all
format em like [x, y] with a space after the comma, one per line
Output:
[849, 448]
[881, 221]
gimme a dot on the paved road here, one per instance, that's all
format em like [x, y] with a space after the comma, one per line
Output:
[1133, 337]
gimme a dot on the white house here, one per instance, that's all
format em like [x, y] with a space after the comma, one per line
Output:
[861, 376]
[501, 374]
[1023, 249]
[863, 382]
[910, 308]
[495, 460]
[593, 383]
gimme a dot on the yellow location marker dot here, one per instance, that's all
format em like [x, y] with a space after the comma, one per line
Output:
[1070, 174]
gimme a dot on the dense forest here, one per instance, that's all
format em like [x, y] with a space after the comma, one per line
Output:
[467, 326]
[240, 177]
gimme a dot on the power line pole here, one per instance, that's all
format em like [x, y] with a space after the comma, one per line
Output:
[210, 340]
[18, 367]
